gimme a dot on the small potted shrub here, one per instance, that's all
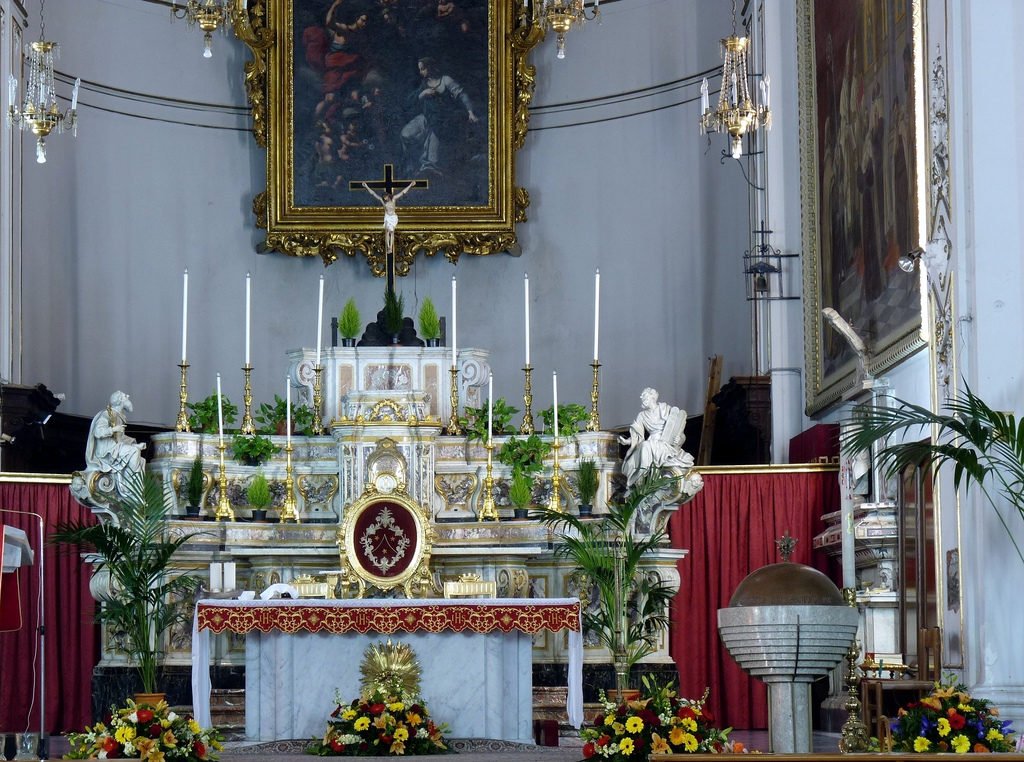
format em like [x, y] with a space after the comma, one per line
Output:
[349, 324]
[194, 487]
[586, 484]
[252, 449]
[520, 492]
[258, 494]
[394, 315]
[430, 324]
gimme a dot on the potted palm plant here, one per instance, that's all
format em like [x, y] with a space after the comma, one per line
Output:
[146, 596]
[194, 487]
[608, 552]
[587, 484]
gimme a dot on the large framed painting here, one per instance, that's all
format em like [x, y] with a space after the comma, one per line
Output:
[863, 195]
[433, 93]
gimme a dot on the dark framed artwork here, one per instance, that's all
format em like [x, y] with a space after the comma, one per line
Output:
[389, 92]
[862, 188]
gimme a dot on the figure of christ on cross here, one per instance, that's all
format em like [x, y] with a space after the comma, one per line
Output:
[389, 202]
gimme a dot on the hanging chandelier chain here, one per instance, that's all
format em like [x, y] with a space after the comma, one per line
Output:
[734, 18]
[42, 19]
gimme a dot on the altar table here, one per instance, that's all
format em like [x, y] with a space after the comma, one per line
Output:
[475, 655]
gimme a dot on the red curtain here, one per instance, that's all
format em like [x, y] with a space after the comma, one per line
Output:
[730, 529]
[71, 634]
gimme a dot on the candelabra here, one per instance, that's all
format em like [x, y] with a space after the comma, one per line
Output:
[594, 424]
[527, 427]
[182, 424]
[854, 734]
[454, 429]
[288, 510]
[248, 428]
[224, 511]
[488, 512]
[555, 503]
[318, 424]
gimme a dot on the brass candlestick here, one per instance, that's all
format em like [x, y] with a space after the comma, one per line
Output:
[594, 424]
[854, 733]
[224, 511]
[248, 428]
[289, 511]
[454, 429]
[488, 512]
[527, 427]
[555, 503]
[183, 399]
[318, 424]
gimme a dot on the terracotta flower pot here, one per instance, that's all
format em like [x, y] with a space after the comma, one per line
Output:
[150, 699]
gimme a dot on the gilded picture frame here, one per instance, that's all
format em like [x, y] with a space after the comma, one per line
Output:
[346, 91]
[863, 191]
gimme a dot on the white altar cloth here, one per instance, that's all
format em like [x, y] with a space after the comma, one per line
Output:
[478, 682]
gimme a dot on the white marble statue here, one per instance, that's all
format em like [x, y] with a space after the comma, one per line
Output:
[655, 439]
[112, 458]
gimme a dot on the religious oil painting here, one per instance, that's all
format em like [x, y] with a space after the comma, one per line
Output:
[431, 94]
[862, 148]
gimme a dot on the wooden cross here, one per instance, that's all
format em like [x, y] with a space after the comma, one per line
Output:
[388, 185]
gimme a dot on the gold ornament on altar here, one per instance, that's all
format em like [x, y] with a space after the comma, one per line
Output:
[391, 669]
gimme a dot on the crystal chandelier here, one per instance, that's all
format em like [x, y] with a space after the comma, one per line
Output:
[209, 15]
[735, 113]
[561, 15]
[40, 111]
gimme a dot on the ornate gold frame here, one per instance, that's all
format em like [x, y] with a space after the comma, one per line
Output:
[416, 576]
[266, 27]
[894, 342]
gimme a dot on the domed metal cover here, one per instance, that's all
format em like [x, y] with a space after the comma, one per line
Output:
[786, 584]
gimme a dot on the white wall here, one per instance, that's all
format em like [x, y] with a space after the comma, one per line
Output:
[114, 217]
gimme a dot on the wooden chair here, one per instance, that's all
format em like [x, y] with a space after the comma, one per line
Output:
[878, 695]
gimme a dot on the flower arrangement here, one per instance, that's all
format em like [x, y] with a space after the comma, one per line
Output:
[950, 720]
[379, 724]
[660, 723]
[145, 731]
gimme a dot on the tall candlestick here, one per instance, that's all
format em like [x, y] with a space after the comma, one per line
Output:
[319, 320]
[597, 308]
[248, 313]
[490, 406]
[526, 307]
[184, 317]
[455, 326]
[288, 411]
[554, 391]
[220, 414]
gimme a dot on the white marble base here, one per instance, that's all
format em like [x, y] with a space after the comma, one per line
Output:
[480, 685]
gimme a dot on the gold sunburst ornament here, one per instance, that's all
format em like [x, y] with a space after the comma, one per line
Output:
[390, 668]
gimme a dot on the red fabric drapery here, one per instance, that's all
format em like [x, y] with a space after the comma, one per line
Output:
[71, 633]
[730, 529]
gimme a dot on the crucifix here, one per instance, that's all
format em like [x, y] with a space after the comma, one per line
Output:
[389, 202]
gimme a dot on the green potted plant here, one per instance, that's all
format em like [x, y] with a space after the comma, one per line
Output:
[146, 595]
[607, 552]
[203, 418]
[524, 456]
[587, 483]
[252, 449]
[474, 422]
[985, 446]
[259, 497]
[430, 324]
[570, 416]
[349, 323]
[194, 487]
[394, 314]
[273, 418]
[520, 492]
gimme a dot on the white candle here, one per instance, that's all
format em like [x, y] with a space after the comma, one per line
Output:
[74, 93]
[216, 577]
[490, 406]
[705, 103]
[319, 321]
[597, 308]
[766, 91]
[526, 306]
[248, 313]
[735, 98]
[288, 410]
[184, 316]
[455, 327]
[229, 575]
[220, 414]
[12, 90]
[554, 392]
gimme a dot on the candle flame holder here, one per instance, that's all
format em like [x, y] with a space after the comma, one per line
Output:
[183, 424]
[527, 426]
[289, 510]
[594, 424]
[454, 429]
[488, 511]
[248, 427]
[224, 510]
[318, 424]
[555, 502]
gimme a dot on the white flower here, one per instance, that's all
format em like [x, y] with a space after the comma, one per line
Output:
[172, 716]
[102, 755]
[129, 749]
[133, 717]
[422, 733]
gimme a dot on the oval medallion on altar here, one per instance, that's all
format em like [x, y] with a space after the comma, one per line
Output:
[385, 538]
